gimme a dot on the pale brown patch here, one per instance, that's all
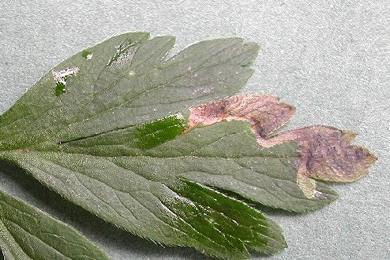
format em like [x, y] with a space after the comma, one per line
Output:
[307, 185]
[325, 152]
[265, 113]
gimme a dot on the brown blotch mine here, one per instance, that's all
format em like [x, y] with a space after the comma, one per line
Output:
[325, 152]
[265, 112]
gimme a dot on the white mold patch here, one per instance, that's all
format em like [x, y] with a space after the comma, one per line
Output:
[62, 75]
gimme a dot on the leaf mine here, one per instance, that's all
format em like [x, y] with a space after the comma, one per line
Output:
[265, 112]
[325, 152]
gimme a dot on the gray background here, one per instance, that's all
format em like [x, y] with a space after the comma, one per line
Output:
[331, 59]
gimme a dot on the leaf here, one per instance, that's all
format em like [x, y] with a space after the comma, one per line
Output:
[28, 233]
[127, 140]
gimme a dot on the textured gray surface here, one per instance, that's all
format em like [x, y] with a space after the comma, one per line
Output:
[331, 59]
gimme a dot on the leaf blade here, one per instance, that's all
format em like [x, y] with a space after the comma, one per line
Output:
[28, 233]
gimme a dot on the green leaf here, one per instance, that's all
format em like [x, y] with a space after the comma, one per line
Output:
[120, 140]
[28, 233]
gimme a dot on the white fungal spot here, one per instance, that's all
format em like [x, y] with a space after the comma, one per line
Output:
[205, 90]
[62, 75]
[179, 116]
[124, 53]
[318, 194]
